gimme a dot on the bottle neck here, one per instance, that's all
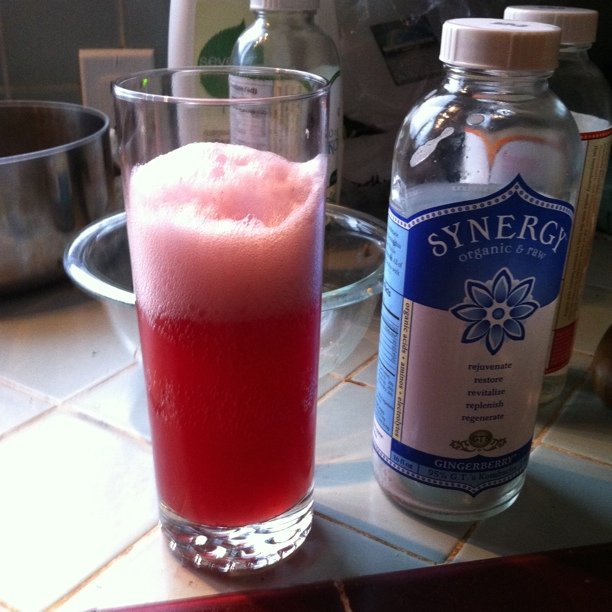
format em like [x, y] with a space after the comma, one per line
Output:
[285, 18]
[571, 49]
[496, 84]
[574, 53]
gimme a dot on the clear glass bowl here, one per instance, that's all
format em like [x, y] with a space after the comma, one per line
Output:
[98, 262]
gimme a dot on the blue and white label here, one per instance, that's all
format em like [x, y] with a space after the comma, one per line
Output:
[468, 305]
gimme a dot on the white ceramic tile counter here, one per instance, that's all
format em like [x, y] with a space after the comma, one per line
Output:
[78, 525]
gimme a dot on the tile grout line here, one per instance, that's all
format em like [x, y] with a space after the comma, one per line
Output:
[99, 382]
[9, 433]
[113, 429]
[348, 378]
[563, 400]
[65, 599]
[574, 455]
[330, 391]
[360, 368]
[461, 542]
[373, 538]
[31, 393]
[344, 599]
[6, 607]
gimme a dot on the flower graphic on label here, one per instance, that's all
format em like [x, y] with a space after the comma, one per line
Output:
[495, 309]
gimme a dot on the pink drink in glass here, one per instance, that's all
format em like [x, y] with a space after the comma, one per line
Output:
[226, 245]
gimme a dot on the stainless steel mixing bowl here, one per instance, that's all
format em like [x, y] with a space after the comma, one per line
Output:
[56, 176]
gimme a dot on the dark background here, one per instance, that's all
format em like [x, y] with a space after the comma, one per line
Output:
[40, 39]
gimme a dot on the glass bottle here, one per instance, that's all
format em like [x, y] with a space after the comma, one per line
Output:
[202, 32]
[286, 35]
[484, 181]
[584, 90]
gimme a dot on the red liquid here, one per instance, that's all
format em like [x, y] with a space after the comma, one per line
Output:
[226, 246]
[232, 408]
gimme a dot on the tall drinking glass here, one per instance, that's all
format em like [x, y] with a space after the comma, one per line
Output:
[224, 179]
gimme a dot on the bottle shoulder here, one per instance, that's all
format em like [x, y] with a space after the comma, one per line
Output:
[461, 111]
[583, 88]
[452, 138]
[303, 47]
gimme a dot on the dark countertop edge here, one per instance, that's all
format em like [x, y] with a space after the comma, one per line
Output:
[571, 579]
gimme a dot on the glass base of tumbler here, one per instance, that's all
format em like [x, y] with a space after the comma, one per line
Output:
[238, 549]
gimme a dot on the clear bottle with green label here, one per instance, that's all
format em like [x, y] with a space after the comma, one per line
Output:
[584, 90]
[202, 32]
[285, 34]
[484, 182]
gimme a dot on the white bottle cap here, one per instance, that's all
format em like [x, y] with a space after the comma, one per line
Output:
[578, 25]
[284, 5]
[497, 44]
